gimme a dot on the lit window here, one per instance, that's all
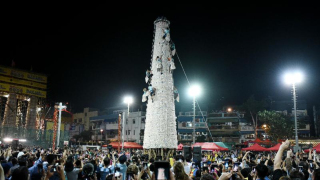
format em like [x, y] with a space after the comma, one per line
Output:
[189, 124]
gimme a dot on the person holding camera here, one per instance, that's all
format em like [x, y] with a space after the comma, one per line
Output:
[121, 167]
[105, 169]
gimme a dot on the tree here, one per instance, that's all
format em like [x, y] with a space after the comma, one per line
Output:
[252, 107]
[279, 125]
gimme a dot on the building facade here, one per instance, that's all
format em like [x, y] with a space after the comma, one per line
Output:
[105, 127]
[225, 126]
[84, 117]
[185, 126]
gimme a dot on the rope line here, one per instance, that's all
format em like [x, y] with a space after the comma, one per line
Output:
[205, 120]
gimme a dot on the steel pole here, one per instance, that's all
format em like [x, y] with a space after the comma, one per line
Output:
[59, 123]
[123, 123]
[295, 115]
[194, 119]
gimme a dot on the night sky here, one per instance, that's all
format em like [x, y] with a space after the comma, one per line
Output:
[94, 54]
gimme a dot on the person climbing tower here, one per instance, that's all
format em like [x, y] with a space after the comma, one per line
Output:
[173, 48]
[148, 76]
[145, 95]
[176, 94]
[159, 64]
[152, 92]
[172, 65]
[166, 34]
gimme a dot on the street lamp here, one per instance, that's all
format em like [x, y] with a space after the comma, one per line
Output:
[101, 130]
[194, 91]
[128, 100]
[292, 79]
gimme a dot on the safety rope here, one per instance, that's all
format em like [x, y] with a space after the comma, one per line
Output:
[205, 120]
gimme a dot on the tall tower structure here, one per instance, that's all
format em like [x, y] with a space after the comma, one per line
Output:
[160, 128]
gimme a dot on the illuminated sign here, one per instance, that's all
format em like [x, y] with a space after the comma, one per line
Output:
[22, 82]
[22, 90]
[23, 74]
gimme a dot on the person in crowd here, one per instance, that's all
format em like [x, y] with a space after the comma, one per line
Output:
[20, 173]
[105, 169]
[261, 172]
[122, 166]
[15, 164]
[36, 170]
[71, 171]
[179, 172]
[20, 152]
[6, 170]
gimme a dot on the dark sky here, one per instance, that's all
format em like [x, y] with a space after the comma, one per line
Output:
[94, 54]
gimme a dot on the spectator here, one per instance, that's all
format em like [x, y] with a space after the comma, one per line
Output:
[71, 171]
[179, 172]
[262, 172]
[122, 166]
[20, 173]
[15, 164]
[6, 170]
[207, 177]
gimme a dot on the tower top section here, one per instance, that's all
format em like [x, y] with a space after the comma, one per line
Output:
[161, 19]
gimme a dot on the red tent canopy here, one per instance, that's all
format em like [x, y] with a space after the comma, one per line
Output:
[274, 148]
[126, 145]
[205, 146]
[267, 141]
[257, 140]
[317, 148]
[255, 147]
[180, 147]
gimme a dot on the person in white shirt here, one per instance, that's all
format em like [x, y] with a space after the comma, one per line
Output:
[21, 153]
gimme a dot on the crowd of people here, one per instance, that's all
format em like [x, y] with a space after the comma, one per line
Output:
[35, 163]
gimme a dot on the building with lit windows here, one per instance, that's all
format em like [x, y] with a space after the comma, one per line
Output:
[105, 127]
[185, 128]
[84, 117]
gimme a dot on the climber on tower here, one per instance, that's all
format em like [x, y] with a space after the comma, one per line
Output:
[159, 64]
[152, 92]
[166, 32]
[145, 95]
[173, 48]
[171, 66]
[148, 76]
[176, 94]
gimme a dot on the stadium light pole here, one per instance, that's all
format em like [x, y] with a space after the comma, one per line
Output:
[293, 79]
[194, 91]
[128, 100]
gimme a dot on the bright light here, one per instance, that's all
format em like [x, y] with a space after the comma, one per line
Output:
[38, 109]
[264, 126]
[292, 78]
[194, 90]
[128, 100]
[7, 139]
[229, 109]
[22, 140]
[7, 95]
[101, 130]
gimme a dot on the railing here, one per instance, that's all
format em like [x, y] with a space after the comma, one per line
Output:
[224, 127]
